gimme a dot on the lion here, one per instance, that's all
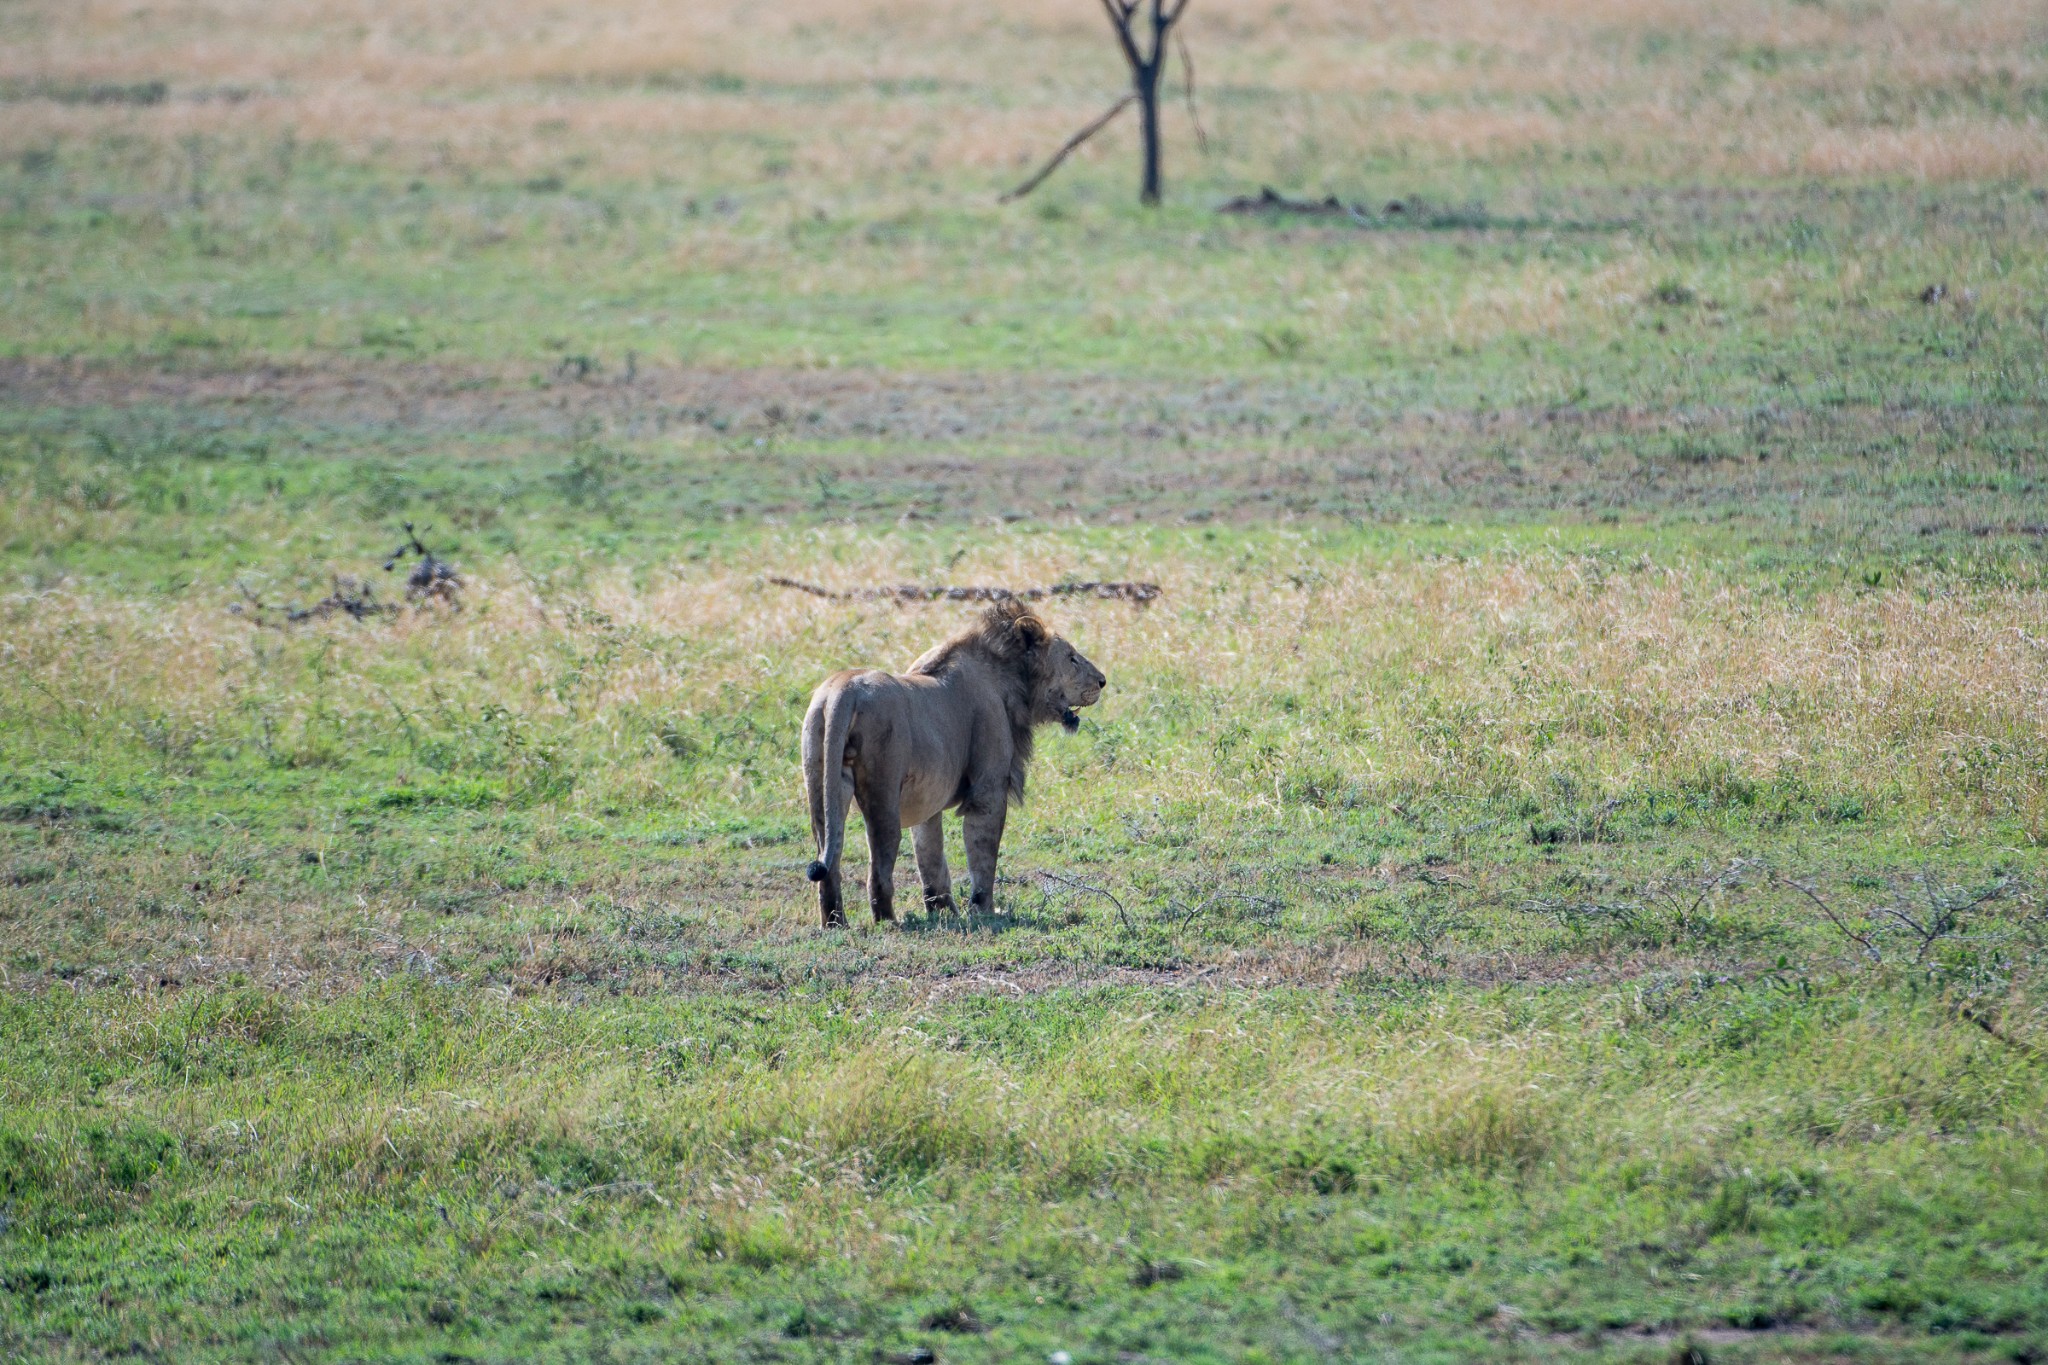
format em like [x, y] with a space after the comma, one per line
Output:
[953, 732]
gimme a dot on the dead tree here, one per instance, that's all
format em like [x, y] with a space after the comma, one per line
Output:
[1147, 66]
[1135, 22]
[432, 578]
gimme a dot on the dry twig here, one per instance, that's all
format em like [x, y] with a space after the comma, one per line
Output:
[1076, 884]
[1841, 923]
[1944, 916]
[1137, 594]
[1187, 65]
[351, 597]
[1685, 910]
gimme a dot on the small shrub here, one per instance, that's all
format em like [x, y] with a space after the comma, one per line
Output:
[464, 794]
[26, 1166]
[957, 1318]
[571, 1164]
[763, 1245]
[1485, 1122]
[1320, 1171]
[907, 1110]
[129, 1155]
[1283, 343]
[1150, 1273]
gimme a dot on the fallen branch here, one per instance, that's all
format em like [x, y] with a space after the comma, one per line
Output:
[1270, 200]
[1061, 155]
[1265, 908]
[350, 597]
[1137, 594]
[1076, 884]
[1578, 914]
[1869, 944]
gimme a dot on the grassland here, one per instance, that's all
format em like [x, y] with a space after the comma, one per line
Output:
[1559, 872]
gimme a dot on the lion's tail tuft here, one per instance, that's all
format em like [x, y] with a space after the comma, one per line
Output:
[825, 741]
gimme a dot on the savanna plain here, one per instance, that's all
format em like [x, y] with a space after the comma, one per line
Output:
[1558, 871]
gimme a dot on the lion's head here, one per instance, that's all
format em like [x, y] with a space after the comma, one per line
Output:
[1062, 678]
[1054, 680]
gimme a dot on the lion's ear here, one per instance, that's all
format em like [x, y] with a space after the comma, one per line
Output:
[1033, 631]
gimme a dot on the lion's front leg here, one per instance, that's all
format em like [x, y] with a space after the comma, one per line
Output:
[928, 840]
[983, 826]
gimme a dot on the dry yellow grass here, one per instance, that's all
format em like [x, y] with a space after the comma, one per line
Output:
[1929, 90]
[1504, 675]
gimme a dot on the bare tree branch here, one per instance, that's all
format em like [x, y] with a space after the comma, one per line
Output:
[1076, 884]
[1701, 890]
[1828, 911]
[1187, 64]
[1120, 16]
[1076, 140]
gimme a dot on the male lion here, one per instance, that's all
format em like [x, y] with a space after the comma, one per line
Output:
[953, 731]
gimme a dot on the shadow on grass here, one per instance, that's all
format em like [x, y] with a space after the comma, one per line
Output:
[973, 922]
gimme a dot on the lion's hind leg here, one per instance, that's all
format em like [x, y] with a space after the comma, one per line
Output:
[878, 793]
[885, 841]
[828, 743]
[928, 840]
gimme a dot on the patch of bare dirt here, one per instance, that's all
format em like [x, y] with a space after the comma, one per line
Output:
[868, 444]
[828, 404]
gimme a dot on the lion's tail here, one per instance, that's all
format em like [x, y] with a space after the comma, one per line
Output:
[824, 756]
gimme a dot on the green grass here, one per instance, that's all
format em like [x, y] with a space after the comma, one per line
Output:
[1730, 298]
[415, 1167]
[1558, 874]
